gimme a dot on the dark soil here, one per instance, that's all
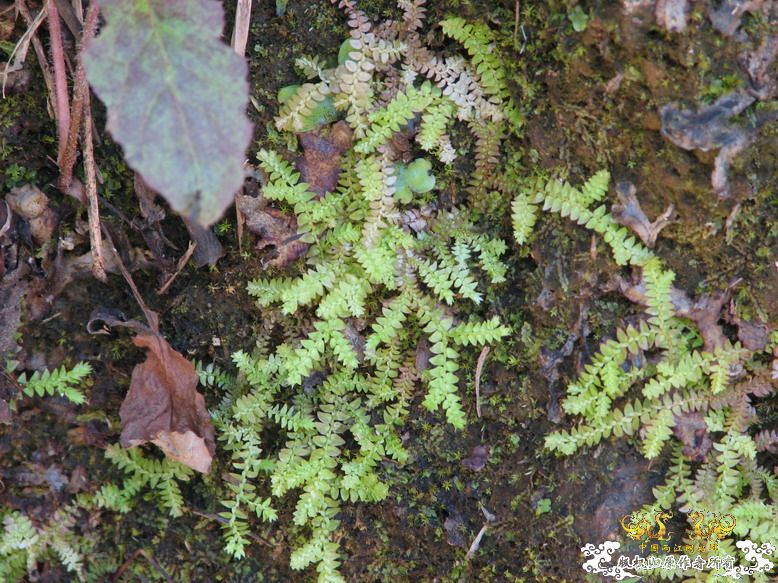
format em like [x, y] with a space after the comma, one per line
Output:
[545, 508]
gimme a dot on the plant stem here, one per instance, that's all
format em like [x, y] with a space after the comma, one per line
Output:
[61, 101]
[67, 157]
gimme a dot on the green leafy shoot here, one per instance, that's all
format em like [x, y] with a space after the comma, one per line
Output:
[61, 382]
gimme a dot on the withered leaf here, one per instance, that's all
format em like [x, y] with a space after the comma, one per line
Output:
[163, 406]
[275, 229]
[477, 459]
[322, 149]
[691, 430]
[710, 128]
[32, 205]
[629, 214]
[727, 16]
[672, 15]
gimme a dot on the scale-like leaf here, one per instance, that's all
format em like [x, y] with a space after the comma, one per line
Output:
[176, 98]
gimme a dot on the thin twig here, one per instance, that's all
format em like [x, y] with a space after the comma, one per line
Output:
[95, 238]
[516, 24]
[476, 543]
[68, 156]
[240, 37]
[151, 316]
[240, 34]
[179, 267]
[222, 520]
[61, 100]
[78, 8]
[154, 563]
[478, 370]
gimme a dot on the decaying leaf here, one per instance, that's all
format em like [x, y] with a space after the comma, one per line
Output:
[631, 215]
[691, 430]
[176, 99]
[760, 64]
[705, 312]
[727, 15]
[454, 525]
[709, 128]
[322, 149]
[276, 230]
[32, 205]
[672, 15]
[477, 459]
[753, 336]
[163, 406]
[13, 289]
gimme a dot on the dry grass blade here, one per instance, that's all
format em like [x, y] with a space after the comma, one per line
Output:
[478, 370]
[19, 54]
[240, 34]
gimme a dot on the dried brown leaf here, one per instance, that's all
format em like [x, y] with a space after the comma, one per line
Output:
[275, 229]
[322, 149]
[32, 205]
[164, 407]
[691, 430]
[753, 336]
[710, 128]
[631, 215]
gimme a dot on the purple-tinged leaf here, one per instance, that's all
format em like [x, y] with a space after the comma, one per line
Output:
[176, 98]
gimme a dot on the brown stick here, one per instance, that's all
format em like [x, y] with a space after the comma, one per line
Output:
[151, 316]
[67, 159]
[61, 101]
[478, 370]
[90, 168]
[240, 34]
[179, 268]
[240, 37]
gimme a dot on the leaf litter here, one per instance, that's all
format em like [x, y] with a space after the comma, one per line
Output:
[163, 405]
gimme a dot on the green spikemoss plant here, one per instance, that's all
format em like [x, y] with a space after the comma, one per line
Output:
[620, 394]
[61, 381]
[384, 271]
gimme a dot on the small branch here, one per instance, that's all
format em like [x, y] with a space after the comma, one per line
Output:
[151, 316]
[61, 101]
[240, 34]
[67, 158]
[95, 238]
[222, 520]
[179, 267]
[240, 37]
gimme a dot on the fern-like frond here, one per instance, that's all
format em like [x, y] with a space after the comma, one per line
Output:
[60, 381]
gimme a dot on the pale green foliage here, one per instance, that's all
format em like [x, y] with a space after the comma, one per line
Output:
[683, 381]
[479, 42]
[387, 121]
[61, 382]
[161, 476]
[382, 270]
[23, 545]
